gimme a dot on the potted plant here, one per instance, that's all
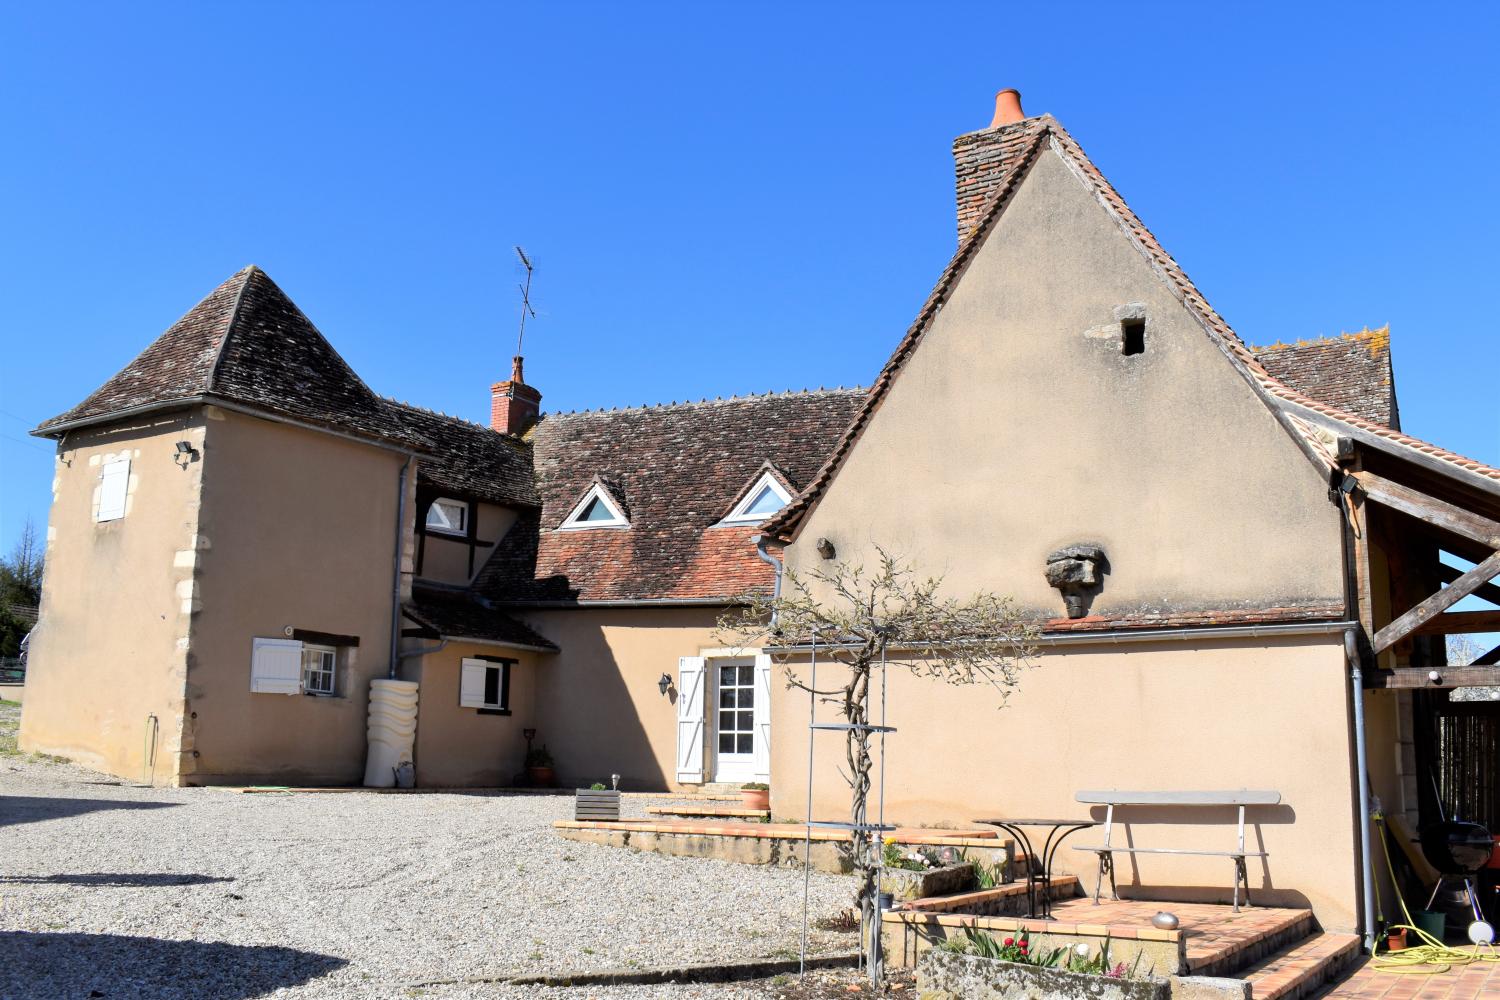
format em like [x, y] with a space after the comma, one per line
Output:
[597, 802]
[1395, 939]
[539, 767]
[755, 795]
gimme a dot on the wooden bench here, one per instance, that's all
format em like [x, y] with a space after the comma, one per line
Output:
[1242, 797]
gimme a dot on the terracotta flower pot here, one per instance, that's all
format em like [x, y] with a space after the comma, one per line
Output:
[541, 777]
[756, 798]
[1396, 940]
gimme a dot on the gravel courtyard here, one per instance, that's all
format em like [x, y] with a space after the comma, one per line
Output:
[116, 891]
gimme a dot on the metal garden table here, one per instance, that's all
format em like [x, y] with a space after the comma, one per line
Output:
[1060, 830]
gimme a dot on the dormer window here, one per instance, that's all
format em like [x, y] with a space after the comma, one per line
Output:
[450, 517]
[762, 500]
[595, 510]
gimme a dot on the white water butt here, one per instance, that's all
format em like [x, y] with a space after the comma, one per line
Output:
[391, 731]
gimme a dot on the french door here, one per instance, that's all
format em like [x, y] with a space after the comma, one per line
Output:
[734, 719]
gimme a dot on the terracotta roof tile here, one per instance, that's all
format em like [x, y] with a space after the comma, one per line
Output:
[469, 460]
[1351, 371]
[677, 470]
[246, 343]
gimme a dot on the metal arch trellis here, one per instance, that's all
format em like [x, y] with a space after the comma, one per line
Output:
[869, 935]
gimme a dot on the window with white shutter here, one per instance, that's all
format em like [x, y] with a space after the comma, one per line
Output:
[690, 719]
[276, 666]
[114, 483]
[484, 684]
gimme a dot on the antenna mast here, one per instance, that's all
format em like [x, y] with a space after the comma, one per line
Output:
[525, 299]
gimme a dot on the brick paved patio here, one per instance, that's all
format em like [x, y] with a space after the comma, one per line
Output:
[1466, 982]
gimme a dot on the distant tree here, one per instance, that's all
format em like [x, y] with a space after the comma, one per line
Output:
[1462, 650]
[981, 640]
[20, 586]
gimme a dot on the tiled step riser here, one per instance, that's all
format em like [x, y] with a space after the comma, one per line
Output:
[1235, 963]
[1305, 971]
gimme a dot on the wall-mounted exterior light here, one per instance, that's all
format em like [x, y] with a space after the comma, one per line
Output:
[664, 684]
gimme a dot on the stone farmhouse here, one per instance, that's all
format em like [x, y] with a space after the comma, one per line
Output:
[244, 535]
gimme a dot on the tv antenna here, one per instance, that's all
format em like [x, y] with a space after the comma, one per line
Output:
[525, 299]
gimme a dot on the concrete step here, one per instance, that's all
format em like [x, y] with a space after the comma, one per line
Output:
[1246, 940]
[710, 812]
[1304, 968]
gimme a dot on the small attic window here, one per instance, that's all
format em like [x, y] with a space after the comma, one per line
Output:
[595, 510]
[451, 517]
[1132, 336]
[762, 500]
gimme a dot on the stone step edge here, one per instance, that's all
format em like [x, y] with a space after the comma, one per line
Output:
[716, 972]
[1231, 960]
[1342, 949]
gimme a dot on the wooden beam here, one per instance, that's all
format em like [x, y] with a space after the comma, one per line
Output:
[1435, 605]
[1438, 513]
[1488, 591]
[1448, 677]
[1460, 622]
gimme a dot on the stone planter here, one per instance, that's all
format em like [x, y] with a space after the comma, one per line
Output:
[944, 975]
[596, 804]
[945, 881]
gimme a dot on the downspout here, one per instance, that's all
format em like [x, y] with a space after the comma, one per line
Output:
[396, 573]
[761, 541]
[1366, 871]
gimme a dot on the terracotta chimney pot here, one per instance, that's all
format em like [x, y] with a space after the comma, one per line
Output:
[1008, 108]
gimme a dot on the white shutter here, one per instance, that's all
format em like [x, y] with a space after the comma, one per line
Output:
[763, 717]
[276, 666]
[471, 683]
[690, 719]
[113, 485]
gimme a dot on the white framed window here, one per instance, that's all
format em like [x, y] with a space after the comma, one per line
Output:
[114, 483]
[484, 684]
[762, 500]
[319, 670]
[451, 517]
[595, 510]
[295, 666]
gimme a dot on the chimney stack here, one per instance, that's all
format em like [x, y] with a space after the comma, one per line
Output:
[981, 159]
[514, 405]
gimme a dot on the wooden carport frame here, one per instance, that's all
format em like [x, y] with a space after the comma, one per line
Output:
[1475, 532]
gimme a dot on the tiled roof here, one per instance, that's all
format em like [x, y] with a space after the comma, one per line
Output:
[1025, 140]
[468, 460]
[677, 470]
[245, 343]
[454, 614]
[1351, 371]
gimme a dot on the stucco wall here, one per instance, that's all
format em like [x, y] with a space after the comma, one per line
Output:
[299, 530]
[111, 646]
[599, 709]
[459, 747]
[1160, 716]
[1018, 426]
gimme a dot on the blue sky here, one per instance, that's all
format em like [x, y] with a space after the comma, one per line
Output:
[721, 199]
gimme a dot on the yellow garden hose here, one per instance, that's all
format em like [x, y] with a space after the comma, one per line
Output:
[1431, 957]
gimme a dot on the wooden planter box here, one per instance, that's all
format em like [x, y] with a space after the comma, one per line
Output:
[943, 975]
[596, 805]
[945, 881]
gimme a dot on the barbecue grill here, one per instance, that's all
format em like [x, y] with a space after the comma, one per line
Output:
[1458, 850]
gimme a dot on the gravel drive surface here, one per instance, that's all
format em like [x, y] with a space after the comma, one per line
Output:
[117, 891]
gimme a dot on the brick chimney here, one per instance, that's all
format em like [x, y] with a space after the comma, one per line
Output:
[980, 159]
[514, 405]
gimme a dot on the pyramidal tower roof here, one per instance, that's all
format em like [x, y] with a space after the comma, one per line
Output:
[245, 343]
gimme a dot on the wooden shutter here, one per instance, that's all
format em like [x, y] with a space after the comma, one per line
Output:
[471, 683]
[114, 482]
[690, 719]
[763, 717]
[276, 666]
